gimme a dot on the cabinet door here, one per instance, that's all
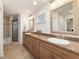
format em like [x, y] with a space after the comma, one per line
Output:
[35, 48]
[46, 54]
[30, 44]
[27, 42]
[55, 56]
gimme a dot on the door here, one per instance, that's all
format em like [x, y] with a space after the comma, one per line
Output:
[14, 30]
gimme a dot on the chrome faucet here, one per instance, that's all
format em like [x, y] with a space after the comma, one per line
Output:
[59, 36]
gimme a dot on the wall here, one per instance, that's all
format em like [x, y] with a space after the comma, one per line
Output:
[1, 28]
[6, 30]
[6, 26]
[44, 27]
[22, 23]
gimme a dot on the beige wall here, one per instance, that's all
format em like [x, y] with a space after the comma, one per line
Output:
[7, 30]
[6, 27]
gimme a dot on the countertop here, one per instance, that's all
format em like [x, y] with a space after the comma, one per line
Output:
[73, 46]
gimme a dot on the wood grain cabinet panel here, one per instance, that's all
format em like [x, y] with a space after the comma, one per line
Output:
[35, 48]
[33, 45]
[27, 42]
[46, 54]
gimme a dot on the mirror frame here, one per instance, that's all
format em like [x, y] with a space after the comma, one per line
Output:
[74, 13]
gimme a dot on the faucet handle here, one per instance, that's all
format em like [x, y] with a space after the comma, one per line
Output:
[60, 36]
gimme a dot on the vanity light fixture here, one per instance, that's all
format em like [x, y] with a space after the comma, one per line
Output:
[35, 3]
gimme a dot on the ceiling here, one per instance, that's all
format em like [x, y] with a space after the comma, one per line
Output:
[12, 7]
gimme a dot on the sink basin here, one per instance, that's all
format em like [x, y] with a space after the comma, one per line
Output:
[28, 33]
[58, 41]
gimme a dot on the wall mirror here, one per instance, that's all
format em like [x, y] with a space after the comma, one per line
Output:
[62, 18]
[31, 25]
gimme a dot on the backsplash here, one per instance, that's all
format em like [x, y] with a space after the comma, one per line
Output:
[68, 37]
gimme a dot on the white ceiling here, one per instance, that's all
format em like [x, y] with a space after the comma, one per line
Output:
[12, 7]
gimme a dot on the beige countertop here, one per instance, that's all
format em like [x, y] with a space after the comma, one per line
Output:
[73, 46]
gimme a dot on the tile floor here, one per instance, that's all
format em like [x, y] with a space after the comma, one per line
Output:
[16, 51]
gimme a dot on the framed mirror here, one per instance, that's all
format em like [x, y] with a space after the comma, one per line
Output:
[62, 19]
[31, 25]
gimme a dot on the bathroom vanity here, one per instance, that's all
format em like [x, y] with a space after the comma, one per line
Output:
[41, 48]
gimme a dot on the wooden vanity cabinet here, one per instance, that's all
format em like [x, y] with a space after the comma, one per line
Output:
[27, 42]
[35, 48]
[45, 53]
[44, 50]
[57, 52]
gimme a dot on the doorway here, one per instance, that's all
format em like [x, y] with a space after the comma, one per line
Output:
[15, 30]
